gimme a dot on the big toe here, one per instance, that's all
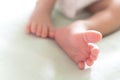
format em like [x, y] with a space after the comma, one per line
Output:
[92, 36]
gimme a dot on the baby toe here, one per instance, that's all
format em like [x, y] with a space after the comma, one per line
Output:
[94, 49]
[81, 65]
[93, 57]
[92, 36]
[38, 32]
[44, 32]
[95, 52]
[33, 28]
[28, 27]
[51, 32]
[89, 62]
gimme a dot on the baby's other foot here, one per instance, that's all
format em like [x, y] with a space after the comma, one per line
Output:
[78, 43]
[40, 25]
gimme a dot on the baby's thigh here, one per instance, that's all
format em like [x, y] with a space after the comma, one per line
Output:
[99, 6]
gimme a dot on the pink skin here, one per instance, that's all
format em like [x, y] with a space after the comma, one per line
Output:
[76, 40]
[40, 24]
[78, 43]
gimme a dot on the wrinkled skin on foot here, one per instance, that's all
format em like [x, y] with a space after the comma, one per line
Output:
[79, 43]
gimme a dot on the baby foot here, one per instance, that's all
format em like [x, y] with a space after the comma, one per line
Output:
[40, 24]
[78, 43]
